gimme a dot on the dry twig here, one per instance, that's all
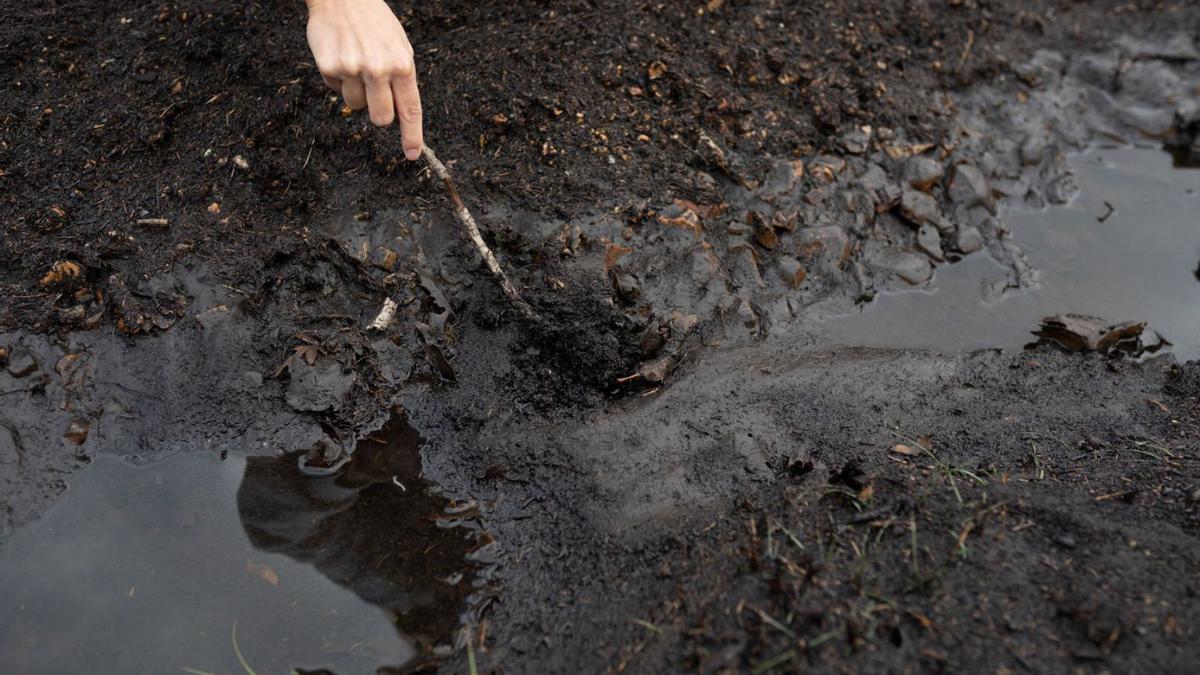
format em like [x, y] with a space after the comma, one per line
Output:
[966, 52]
[468, 222]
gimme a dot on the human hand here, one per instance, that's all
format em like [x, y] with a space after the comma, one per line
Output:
[363, 53]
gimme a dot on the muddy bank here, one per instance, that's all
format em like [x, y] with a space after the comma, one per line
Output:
[786, 484]
[677, 470]
[707, 197]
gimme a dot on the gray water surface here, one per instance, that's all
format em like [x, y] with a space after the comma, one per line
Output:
[1138, 264]
[149, 569]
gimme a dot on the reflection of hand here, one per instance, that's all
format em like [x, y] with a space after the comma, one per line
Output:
[363, 53]
[286, 511]
[379, 463]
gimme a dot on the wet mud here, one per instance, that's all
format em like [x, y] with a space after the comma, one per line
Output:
[689, 466]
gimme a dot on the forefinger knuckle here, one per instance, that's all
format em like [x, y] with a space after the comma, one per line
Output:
[376, 71]
[403, 69]
[382, 117]
[410, 113]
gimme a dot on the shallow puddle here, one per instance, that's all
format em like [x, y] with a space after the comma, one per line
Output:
[1140, 263]
[203, 565]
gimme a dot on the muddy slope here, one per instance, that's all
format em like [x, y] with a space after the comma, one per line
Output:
[782, 500]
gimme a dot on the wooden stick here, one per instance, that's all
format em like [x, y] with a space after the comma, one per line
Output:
[962, 60]
[468, 223]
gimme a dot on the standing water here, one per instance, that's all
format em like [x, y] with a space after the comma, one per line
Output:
[203, 565]
[1135, 261]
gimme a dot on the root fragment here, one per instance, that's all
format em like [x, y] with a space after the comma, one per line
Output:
[387, 314]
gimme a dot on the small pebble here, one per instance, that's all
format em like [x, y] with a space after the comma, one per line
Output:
[21, 363]
[923, 173]
[969, 239]
[856, 142]
[930, 241]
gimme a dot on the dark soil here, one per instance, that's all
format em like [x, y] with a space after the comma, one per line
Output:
[112, 115]
[679, 479]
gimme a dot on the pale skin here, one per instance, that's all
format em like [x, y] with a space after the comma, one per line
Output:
[363, 54]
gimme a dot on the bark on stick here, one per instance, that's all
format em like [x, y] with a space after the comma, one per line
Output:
[469, 224]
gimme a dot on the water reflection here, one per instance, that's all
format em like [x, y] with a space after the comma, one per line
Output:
[149, 569]
[1136, 264]
[1186, 157]
[371, 528]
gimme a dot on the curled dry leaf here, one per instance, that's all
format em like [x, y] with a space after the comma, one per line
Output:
[785, 220]
[823, 173]
[1079, 333]
[613, 253]
[61, 271]
[704, 212]
[66, 362]
[904, 150]
[683, 322]
[711, 152]
[308, 352]
[764, 231]
[77, 433]
[680, 216]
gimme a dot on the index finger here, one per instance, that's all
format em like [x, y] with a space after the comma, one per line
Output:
[408, 109]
